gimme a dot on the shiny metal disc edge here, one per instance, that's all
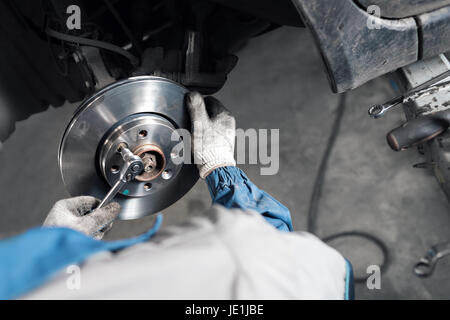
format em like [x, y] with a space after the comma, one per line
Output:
[106, 107]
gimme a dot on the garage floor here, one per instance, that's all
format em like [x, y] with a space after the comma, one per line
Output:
[280, 83]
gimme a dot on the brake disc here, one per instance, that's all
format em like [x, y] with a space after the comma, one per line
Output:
[144, 113]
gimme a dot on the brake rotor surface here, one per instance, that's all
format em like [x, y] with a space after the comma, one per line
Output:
[143, 113]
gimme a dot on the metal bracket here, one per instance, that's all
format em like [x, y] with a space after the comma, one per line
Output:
[428, 72]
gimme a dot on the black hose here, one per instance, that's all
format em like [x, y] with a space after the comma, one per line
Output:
[317, 193]
[318, 183]
[93, 43]
[361, 234]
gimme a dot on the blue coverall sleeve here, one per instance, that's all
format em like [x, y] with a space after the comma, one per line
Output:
[230, 187]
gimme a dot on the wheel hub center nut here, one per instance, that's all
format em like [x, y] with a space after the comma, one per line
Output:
[149, 162]
[154, 161]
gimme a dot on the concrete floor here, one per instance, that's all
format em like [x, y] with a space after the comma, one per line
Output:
[280, 83]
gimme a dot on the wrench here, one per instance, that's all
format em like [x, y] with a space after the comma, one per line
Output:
[132, 167]
[378, 110]
[425, 266]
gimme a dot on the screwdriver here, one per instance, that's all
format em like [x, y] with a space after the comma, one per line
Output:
[418, 130]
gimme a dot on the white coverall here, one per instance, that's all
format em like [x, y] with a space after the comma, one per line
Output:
[222, 254]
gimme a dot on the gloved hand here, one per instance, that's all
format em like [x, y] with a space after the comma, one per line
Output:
[73, 213]
[213, 130]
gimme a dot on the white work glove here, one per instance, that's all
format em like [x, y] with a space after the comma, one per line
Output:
[213, 130]
[74, 213]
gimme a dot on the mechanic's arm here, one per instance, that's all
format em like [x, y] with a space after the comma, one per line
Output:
[213, 129]
[67, 237]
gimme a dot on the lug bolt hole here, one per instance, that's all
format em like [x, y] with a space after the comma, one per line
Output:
[143, 134]
[115, 169]
[147, 186]
[167, 174]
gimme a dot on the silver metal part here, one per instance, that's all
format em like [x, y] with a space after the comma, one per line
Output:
[437, 151]
[427, 73]
[132, 166]
[426, 265]
[154, 148]
[378, 110]
[427, 88]
[143, 113]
